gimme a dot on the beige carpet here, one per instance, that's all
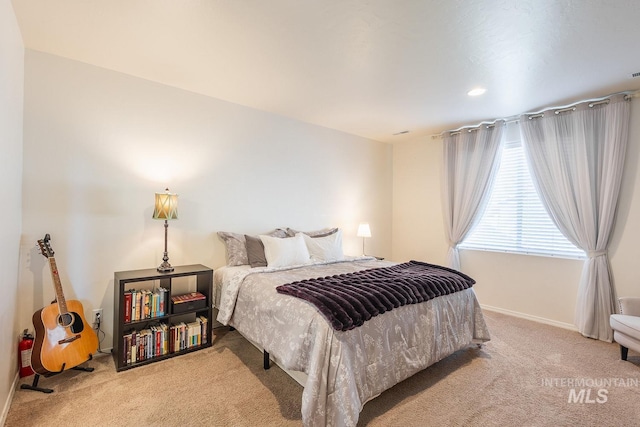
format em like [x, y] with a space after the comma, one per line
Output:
[521, 377]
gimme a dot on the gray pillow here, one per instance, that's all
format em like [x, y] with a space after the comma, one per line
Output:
[255, 251]
[317, 233]
[236, 245]
[236, 248]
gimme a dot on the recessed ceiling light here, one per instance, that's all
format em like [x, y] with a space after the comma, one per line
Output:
[477, 91]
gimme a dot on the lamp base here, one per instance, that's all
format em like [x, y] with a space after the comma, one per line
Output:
[165, 267]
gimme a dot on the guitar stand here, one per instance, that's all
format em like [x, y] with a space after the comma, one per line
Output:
[34, 385]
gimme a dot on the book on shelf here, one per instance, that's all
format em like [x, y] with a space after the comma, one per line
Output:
[134, 346]
[160, 339]
[188, 302]
[126, 348]
[137, 315]
[144, 304]
[127, 307]
[203, 328]
[192, 296]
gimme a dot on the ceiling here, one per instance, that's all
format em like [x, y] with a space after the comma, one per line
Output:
[366, 67]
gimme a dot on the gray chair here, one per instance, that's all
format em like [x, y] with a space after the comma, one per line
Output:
[626, 325]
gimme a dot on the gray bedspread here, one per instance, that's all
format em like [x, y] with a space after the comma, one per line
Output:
[345, 368]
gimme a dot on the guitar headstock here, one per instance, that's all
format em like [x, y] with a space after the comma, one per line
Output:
[45, 247]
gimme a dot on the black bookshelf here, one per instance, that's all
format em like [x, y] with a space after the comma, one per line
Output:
[126, 280]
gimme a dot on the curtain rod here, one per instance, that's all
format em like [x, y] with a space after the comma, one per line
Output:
[537, 114]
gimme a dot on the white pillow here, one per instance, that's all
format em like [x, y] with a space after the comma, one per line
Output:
[327, 248]
[285, 252]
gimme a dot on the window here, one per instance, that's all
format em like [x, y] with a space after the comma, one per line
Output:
[515, 220]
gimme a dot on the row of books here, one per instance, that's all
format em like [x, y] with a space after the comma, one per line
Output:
[158, 340]
[144, 304]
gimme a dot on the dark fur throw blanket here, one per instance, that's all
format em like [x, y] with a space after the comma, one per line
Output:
[349, 300]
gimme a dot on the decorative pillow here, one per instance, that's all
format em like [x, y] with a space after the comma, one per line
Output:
[236, 245]
[285, 252]
[236, 248]
[327, 248]
[255, 251]
[317, 233]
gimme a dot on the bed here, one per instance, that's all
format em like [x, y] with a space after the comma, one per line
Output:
[343, 369]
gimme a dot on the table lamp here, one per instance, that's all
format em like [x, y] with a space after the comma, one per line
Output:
[166, 208]
[364, 231]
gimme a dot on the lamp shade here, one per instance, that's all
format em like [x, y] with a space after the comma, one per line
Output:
[166, 206]
[364, 230]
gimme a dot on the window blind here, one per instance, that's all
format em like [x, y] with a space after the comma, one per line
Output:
[514, 219]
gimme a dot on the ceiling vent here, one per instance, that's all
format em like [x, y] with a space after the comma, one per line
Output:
[635, 75]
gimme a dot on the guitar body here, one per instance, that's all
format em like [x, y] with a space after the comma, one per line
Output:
[61, 341]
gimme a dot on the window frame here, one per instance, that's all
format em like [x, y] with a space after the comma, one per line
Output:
[518, 239]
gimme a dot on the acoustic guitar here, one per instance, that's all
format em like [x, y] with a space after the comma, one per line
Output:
[63, 338]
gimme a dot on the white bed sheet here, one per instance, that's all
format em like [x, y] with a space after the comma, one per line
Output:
[345, 369]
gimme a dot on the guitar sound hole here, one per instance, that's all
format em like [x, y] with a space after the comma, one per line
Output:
[65, 320]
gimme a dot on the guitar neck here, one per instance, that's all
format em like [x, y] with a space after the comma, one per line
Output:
[62, 303]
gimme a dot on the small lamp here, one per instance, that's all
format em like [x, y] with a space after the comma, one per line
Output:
[363, 231]
[166, 208]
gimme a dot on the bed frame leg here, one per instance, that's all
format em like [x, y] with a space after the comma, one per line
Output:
[265, 363]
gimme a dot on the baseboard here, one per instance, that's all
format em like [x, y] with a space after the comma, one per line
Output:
[7, 404]
[537, 319]
[103, 352]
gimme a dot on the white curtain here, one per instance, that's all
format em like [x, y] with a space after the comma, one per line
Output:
[471, 160]
[576, 158]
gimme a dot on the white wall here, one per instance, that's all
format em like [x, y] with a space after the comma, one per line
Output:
[98, 144]
[418, 231]
[538, 287]
[11, 98]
